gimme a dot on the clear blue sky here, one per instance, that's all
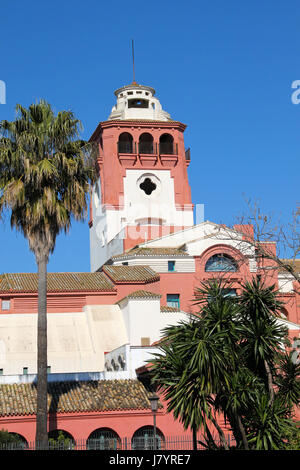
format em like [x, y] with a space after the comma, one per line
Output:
[224, 68]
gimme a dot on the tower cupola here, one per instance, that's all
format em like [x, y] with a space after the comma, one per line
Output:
[137, 102]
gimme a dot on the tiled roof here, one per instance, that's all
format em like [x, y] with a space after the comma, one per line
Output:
[71, 397]
[166, 308]
[295, 265]
[145, 251]
[137, 274]
[141, 294]
[56, 282]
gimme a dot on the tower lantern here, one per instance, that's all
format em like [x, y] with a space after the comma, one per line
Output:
[138, 102]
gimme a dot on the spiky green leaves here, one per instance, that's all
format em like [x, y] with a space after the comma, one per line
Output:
[45, 173]
[226, 360]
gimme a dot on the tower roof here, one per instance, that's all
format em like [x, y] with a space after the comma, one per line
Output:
[135, 86]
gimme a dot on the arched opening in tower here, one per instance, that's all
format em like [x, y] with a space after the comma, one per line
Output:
[146, 143]
[166, 144]
[125, 144]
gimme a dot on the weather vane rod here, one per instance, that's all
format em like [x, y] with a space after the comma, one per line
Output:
[133, 62]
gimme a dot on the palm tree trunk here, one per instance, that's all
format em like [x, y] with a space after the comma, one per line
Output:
[209, 439]
[221, 433]
[194, 438]
[241, 431]
[42, 415]
[270, 382]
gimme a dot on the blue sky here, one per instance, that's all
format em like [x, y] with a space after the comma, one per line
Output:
[223, 68]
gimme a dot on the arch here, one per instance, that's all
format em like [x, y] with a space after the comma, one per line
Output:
[18, 441]
[166, 144]
[220, 262]
[143, 439]
[60, 439]
[125, 143]
[146, 143]
[103, 439]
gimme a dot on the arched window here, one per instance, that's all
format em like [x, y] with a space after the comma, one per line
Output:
[60, 440]
[221, 263]
[103, 439]
[166, 144]
[125, 144]
[143, 439]
[146, 144]
[14, 441]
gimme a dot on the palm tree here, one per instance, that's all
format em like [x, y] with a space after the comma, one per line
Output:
[287, 380]
[263, 337]
[225, 360]
[45, 177]
[193, 362]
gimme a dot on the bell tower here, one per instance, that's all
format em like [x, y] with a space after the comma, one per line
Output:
[142, 191]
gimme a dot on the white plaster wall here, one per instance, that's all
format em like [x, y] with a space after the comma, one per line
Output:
[200, 237]
[135, 357]
[76, 341]
[142, 319]
[137, 207]
[285, 283]
[160, 265]
[139, 357]
[107, 231]
[159, 205]
[171, 318]
[106, 235]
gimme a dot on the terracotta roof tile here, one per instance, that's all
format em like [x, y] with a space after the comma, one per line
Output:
[295, 264]
[137, 274]
[56, 282]
[66, 397]
[167, 309]
[140, 294]
[145, 251]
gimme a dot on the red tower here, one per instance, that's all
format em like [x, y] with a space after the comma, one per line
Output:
[142, 192]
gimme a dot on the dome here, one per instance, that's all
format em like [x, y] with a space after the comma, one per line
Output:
[136, 102]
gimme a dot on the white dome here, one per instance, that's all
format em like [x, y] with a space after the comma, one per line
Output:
[137, 102]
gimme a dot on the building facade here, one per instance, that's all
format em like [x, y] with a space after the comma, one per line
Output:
[147, 258]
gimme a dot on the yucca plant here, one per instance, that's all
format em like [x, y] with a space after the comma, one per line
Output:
[287, 380]
[262, 336]
[195, 362]
[45, 176]
[224, 360]
[268, 426]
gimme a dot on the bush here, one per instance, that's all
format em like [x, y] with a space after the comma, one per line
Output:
[9, 438]
[293, 439]
[60, 442]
